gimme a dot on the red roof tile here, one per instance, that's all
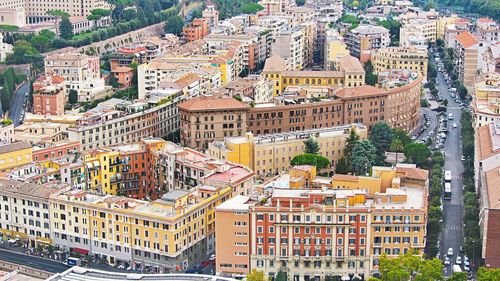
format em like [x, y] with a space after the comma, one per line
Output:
[360, 91]
[466, 39]
[212, 103]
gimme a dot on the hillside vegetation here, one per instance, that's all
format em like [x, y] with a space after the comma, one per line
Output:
[489, 8]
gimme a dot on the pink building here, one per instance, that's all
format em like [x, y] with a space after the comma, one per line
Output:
[56, 151]
[49, 95]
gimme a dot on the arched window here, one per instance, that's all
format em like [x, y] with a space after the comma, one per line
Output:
[307, 81]
[319, 81]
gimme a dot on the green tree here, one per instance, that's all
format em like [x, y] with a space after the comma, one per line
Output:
[66, 28]
[311, 146]
[310, 159]
[256, 275]
[73, 96]
[113, 81]
[370, 77]
[134, 66]
[397, 146]
[97, 14]
[40, 42]
[417, 153]
[351, 141]
[458, 276]
[488, 274]
[342, 167]
[281, 276]
[174, 25]
[409, 267]
[381, 137]
[402, 136]
[363, 157]
[251, 8]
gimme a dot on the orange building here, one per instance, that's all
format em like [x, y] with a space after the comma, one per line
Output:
[123, 74]
[55, 151]
[233, 227]
[196, 30]
[49, 95]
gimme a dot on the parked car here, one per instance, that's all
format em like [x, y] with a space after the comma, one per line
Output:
[447, 261]
[454, 126]
[458, 260]
[450, 252]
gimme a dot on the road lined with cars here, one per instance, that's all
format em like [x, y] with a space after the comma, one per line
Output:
[18, 104]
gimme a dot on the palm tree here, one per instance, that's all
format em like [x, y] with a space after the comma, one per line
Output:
[397, 146]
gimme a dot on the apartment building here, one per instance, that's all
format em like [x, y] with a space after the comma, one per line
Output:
[253, 88]
[290, 45]
[196, 30]
[392, 58]
[346, 70]
[171, 232]
[81, 73]
[49, 97]
[486, 100]
[452, 30]
[118, 121]
[36, 11]
[15, 154]
[124, 169]
[206, 119]
[6, 132]
[271, 154]
[334, 47]
[486, 162]
[185, 168]
[212, 15]
[232, 225]
[309, 232]
[466, 57]
[24, 212]
[423, 29]
[365, 38]
[488, 30]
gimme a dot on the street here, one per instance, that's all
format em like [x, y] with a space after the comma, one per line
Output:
[16, 105]
[32, 261]
[452, 234]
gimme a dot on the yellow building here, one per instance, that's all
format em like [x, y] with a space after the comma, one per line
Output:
[172, 232]
[302, 176]
[334, 48]
[486, 101]
[268, 155]
[15, 154]
[409, 58]
[442, 22]
[347, 71]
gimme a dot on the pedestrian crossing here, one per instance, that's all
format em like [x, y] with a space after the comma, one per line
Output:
[453, 228]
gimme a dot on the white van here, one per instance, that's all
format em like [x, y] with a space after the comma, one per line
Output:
[450, 116]
[456, 268]
[453, 90]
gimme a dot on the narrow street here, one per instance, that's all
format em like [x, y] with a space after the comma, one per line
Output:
[452, 234]
[16, 105]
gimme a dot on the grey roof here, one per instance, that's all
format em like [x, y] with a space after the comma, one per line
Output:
[6, 148]
[174, 195]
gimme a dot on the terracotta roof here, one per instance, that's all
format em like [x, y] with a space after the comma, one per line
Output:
[187, 80]
[21, 189]
[212, 104]
[413, 173]
[6, 148]
[306, 168]
[493, 188]
[341, 177]
[485, 20]
[121, 69]
[349, 63]
[361, 91]
[466, 39]
[485, 143]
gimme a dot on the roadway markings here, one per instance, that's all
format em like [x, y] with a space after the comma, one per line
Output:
[453, 228]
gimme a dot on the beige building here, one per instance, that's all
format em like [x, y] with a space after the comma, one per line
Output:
[36, 10]
[25, 212]
[290, 45]
[207, 119]
[6, 133]
[486, 100]
[365, 38]
[425, 29]
[269, 155]
[466, 57]
[392, 58]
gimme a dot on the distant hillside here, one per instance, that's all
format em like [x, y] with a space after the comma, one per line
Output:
[489, 8]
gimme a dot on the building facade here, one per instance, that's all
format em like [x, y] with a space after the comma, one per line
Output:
[363, 39]
[49, 97]
[400, 58]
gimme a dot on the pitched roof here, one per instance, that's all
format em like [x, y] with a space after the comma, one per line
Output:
[349, 63]
[413, 173]
[360, 91]
[212, 104]
[493, 188]
[274, 63]
[466, 39]
[10, 147]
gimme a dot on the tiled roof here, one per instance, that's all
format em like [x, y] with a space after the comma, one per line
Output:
[274, 64]
[493, 188]
[344, 177]
[485, 143]
[413, 173]
[360, 91]
[466, 39]
[6, 148]
[212, 104]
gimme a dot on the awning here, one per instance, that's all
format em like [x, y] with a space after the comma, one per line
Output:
[12, 241]
[345, 278]
[80, 251]
[89, 165]
[96, 163]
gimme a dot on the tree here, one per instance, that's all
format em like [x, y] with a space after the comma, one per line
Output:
[397, 146]
[113, 81]
[370, 77]
[458, 276]
[381, 137]
[281, 276]
[65, 28]
[251, 8]
[310, 159]
[311, 146]
[255, 275]
[417, 153]
[40, 42]
[402, 136]
[174, 25]
[363, 157]
[342, 167]
[97, 14]
[73, 96]
[351, 141]
[487, 274]
[409, 267]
